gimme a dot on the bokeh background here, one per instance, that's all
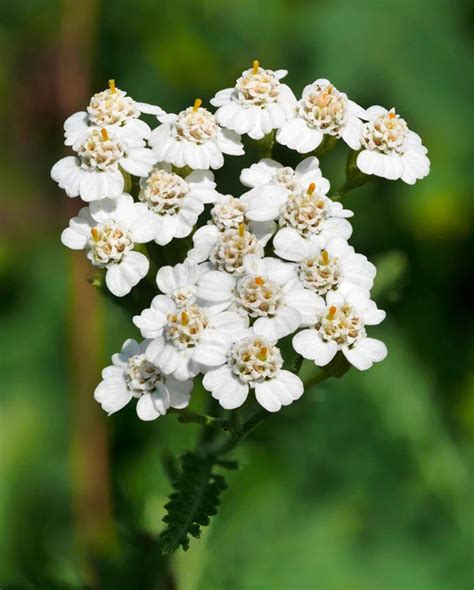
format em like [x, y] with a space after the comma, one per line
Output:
[362, 485]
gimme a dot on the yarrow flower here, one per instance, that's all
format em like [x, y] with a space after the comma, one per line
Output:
[340, 326]
[322, 110]
[194, 138]
[131, 375]
[271, 263]
[257, 104]
[110, 109]
[96, 172]
[390, 149]
[336, 266]
[253, 363]
[108, 231]
[176, 201]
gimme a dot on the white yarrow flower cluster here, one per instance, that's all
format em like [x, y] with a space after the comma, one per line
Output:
[269, 264]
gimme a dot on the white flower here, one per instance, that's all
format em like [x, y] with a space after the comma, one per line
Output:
[341, 326]
[177, 202]
[270, 172]
[253, 363]
[190, 339]
[228, 212]
[108, 230]
[257, 104]
[227, 249]
[111, 108]
[390, 149]
[268, 291]
[194, 138]
[322, 110]
[95, 173]
[131, 375]
[336, 267]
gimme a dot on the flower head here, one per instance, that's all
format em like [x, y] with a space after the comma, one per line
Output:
[340, 325]
[112, 109]
[255, 363]
[177, 202]
[390, 149]
[131, 375]
[95, 173]
[108, 231]
[257, 104]
[194, 138]
[322, 110]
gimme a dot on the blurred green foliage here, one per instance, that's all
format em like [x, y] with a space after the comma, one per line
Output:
[365, 483]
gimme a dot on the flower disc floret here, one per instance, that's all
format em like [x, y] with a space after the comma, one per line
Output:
[254, 360]
[108, 243]
[229, 213]
[231, 248]
[342, 324]
[184, 328]
[320, 273]
[101, 151]
[196, 125]
[111, 106]
[163, 192]
[259, 296]
[258, 87]
[323, 108]
[304, 212]
[387, 133]
[141, 376]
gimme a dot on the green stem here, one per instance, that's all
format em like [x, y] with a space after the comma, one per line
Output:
[187, 416]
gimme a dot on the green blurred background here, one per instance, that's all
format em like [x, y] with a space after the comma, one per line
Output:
[362, 485]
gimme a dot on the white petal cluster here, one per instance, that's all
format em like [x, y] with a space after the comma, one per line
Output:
[269, 264]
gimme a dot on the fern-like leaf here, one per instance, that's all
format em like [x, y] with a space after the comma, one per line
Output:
[195, 499]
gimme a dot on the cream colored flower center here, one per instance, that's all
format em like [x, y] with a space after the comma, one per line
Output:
[255, 360]
[232, 246]
[141, 376]
[108, 243]
[229, 213]
[101, 150]
[304, 212]
[320, 273]
[258, 296]
[285, 177]
[387, 134]
[184, 295]
[196, 125]
[323, 108]
[257, 87]
[342, 325]
[185, 327]
[111, 106]
[163, 192]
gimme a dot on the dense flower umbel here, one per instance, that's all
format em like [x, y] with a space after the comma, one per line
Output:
[257, 104]
[108, 230]
[194, 138]
[390, 149]
[269, 264]
[131, 375]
